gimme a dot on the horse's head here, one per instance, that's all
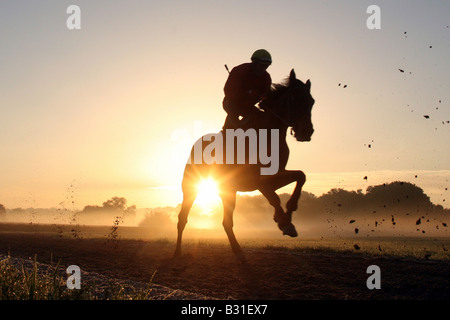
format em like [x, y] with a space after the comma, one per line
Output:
[299, 107]
[292, 103]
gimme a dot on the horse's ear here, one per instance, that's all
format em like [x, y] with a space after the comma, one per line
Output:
[292, 76]
[308, 85]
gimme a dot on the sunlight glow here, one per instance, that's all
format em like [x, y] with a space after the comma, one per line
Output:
[208, 195]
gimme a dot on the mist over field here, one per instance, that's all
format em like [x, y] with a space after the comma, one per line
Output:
[395, 209]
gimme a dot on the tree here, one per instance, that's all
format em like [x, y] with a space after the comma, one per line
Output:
[2, 209]
[115, 203]
[344, 198]
[398, 193]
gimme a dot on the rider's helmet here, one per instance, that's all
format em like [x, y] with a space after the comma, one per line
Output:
[262, 56]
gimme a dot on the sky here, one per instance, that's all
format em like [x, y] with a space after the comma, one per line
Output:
[112, 109]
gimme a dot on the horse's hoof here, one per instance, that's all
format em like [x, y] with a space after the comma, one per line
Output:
[288, 229]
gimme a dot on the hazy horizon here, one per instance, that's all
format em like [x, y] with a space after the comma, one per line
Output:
[394, 209]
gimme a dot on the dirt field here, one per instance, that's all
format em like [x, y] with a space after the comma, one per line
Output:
[209, 268]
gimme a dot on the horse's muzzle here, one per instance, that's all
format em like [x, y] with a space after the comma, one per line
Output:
[304, 135]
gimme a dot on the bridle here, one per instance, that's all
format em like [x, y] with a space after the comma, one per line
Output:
[288, 107]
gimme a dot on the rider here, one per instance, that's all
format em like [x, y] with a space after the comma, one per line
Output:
[246, 85]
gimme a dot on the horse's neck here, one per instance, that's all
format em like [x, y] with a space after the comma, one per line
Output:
[273, 121]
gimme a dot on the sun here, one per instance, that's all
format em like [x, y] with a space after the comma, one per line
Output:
[208, 194]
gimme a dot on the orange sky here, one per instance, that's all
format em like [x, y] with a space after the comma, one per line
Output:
[112, 109]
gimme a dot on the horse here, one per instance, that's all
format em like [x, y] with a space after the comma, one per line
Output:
[288, 105]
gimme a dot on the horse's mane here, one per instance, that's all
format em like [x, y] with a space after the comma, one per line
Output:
[277, 90]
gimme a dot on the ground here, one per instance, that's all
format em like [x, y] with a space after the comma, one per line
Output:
[209, 268]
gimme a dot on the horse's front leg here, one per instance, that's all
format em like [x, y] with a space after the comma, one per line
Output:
[274, 200]
[282, 179]
[292, 203]
[280, 217]
[271, 183]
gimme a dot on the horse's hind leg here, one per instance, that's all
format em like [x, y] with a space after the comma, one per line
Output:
[188, 199]
[229, 202]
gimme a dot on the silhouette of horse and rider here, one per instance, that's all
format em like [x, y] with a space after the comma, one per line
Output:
[280, 106]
